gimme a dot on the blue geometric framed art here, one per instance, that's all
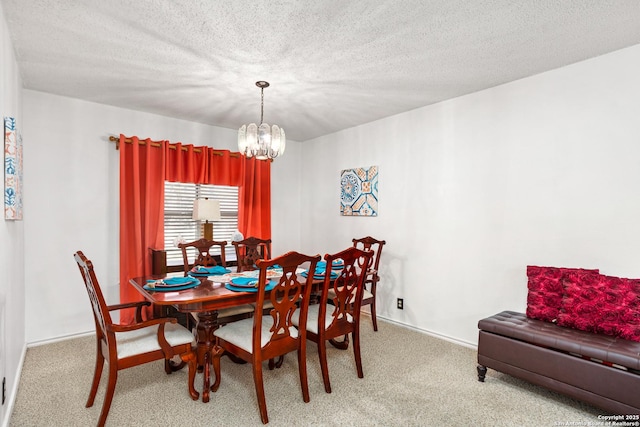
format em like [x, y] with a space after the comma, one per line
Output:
[359, 192]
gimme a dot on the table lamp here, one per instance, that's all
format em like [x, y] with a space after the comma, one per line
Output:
[206, 210]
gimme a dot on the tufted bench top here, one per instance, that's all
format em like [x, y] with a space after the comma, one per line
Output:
[603, 347]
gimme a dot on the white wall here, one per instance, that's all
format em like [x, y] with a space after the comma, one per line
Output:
[12, 294]
[286, 205]
[539, 171]
[71, 198]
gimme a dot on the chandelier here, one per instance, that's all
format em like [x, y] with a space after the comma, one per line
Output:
[262, 142]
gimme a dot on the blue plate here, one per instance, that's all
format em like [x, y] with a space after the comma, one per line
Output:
[172, 281]
[189, 283]
[244, 282]
[272, 284]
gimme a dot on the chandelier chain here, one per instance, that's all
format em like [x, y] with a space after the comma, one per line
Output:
[261, 105]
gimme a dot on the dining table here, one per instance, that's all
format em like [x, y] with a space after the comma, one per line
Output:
[206, 298]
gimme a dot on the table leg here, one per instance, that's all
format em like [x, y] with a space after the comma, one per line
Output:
[207, 324]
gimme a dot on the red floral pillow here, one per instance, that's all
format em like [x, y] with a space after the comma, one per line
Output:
[630, 318]
[546, 290]
[597, 303]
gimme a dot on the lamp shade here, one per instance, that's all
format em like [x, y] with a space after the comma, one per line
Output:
[206, 210]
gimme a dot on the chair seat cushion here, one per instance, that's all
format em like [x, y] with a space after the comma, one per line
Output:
[145, 340]
[240, 333]
[312, 317]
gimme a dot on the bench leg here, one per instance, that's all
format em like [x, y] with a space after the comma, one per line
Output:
[482, 371]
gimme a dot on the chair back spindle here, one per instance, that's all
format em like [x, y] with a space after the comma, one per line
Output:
[203, 253]
[271, 335]
[250, 250]
[373, 276]
[338, 313]
[101, 315]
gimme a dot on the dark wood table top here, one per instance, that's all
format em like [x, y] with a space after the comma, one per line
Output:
[208, 296]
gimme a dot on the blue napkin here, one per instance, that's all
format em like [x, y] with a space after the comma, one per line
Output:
[173, 288]
[321, 268]
[272, 284]
[319, 274]
[244, 281]
[208, 271]
[273, 267]
[178, 280]
[335, 264]
[216, 270]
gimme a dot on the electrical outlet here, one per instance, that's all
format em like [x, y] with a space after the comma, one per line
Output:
[400, 303]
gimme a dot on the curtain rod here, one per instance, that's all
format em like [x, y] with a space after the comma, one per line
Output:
[159, 144]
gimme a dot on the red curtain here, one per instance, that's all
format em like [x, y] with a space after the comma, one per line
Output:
[141, 212]
[145, 165]
[203, 165]
[254, 206]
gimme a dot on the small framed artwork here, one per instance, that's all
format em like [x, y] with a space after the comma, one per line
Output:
[12, 170]
[359, 191]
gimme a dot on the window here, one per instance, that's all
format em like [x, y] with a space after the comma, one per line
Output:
[178, 209]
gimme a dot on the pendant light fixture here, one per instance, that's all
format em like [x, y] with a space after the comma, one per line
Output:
[262, 141]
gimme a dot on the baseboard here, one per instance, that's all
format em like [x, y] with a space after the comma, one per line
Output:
[431, 333]
[385, 319]
[60, 338]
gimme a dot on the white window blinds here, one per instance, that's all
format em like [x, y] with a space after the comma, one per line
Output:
[178, 209]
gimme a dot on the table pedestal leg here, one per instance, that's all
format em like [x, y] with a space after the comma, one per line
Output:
[207, 324]
[216, 354]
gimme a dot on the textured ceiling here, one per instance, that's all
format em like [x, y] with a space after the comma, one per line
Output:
[332, 64]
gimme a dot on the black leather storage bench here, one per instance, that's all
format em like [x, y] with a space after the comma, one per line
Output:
[601, 370]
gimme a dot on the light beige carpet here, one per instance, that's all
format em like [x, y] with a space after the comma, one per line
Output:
[411, 379]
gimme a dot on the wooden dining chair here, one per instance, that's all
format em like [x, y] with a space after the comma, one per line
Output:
[124, 346]
[268, 336]
[204, 257]
[203, 253]
[373, 277]
[339, 315]
[250, 250]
